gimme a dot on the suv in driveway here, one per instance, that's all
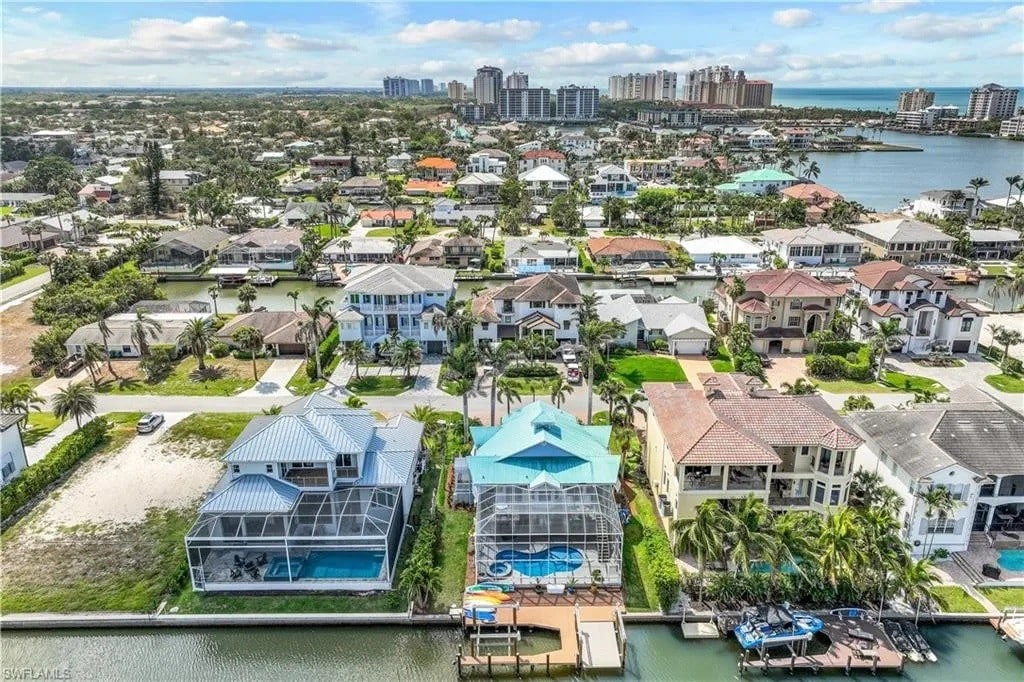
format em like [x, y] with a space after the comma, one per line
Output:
[149, 423]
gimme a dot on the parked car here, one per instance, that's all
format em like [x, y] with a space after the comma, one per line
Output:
[573, 373]
[568, 355]
[149, 423]
[765, 360]
[69, 365]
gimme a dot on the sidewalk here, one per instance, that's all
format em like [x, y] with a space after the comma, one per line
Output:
[34, 453]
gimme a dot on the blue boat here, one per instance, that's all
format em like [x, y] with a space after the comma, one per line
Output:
[775, 625]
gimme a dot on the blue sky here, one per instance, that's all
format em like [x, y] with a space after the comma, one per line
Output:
[795, 44]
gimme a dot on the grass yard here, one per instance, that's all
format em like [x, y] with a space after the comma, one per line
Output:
[633, 370]
[38, 426]
[994, 270]
[641, 594]
[223, 376]
[1004, 597]
[527, 386]
[381, 385]
[390, 232]
[722, 362]
[1007, 383]
[217, 429]
[301, 384]
[31, 270]
[912, 383]
[954, 599]
[849, 386]
[455, 529]
[197, 602]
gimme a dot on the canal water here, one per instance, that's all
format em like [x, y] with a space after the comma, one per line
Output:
[656, 653]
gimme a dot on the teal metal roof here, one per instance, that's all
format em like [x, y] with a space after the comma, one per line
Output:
[764, 175]
[538, 439]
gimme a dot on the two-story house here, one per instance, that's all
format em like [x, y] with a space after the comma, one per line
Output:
[177, 181]
[944, 203]
[436, 168]
[275, 249]
[973, 446]
[393, 298]
[449, 213]
[733, 438]
[781, 308]
[682, 325]
[456, 252]
[315, 498]
[997, 244]
[760, 181]
[12, 448]
[817, 199]
[183, 250]
[611, 181]
[905, 240]
[814, 246]
[930, 317]
[488, 161]
[541, 304]
[542, 157]
[544, 180]
[479, 186]
[330, 165]
[528, 257]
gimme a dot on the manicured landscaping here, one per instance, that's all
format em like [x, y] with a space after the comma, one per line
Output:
[31, 270]
[39, 425]
[642, 559]
[530, 387]
[1007, 383]
[954, 599]
[722, 362]
[1004, 597]
[390, 232]
[850, 386]
[634, 370]
[456, 525]
[912, 383]
[223, 376]
[301, 384]
[381, 385]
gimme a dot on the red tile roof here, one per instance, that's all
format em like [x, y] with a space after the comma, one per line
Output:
[786, 283]
[432, 186]
[755, 306]
[620, 246]
[436, 162]
[886, 275]
[382, 213]
[543, 154]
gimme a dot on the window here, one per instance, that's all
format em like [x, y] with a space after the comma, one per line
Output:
[805, 450]
[758, 323]
[825, 461]
[485, 325]
[941, 526]
[966, 324]
[819, 492]
[8, 470]
[796, 304]
[126, 349]
[235, 469]
[840, 462]
[793, 322]
[566, 324]
[270, 468]
[837, 491]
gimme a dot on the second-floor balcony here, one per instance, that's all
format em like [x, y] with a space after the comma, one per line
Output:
[698, 481]
[747, 478]
[307, 477]
[781, 500]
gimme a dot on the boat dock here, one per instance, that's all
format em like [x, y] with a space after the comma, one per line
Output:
[855, 644]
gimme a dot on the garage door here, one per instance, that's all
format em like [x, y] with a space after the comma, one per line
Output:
[689, 346]
[962, 346]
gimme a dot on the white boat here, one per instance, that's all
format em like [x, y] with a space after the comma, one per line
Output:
[1013, 628]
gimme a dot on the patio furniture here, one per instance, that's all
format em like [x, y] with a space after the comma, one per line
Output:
[867, 653]
[249, 565]
[238, 561]
[255, 573]
[261, 560]
[991, 571]
[236, 573]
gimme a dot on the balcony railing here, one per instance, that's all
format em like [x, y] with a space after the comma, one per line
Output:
[702, 483]
[307, 478]
[748, 484]
[784, 501]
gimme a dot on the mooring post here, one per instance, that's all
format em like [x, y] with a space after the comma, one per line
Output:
[458, 661]
[489, 665]
[874, 665]
[517, 664]
[792, 662]
[849, 662]
[547, 665]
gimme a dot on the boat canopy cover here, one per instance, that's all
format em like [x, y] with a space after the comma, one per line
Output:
[775, 615]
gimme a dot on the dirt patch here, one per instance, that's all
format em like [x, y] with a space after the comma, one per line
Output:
[18, 333]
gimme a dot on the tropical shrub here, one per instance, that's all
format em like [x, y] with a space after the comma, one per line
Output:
[662, 566]
[220, 350]
[158, 364]
[521, 370]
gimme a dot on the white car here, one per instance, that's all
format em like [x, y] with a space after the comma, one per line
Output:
[568, 356]
[149, 423]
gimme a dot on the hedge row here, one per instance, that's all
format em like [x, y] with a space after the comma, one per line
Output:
[60, 459]
[662, 567]
[326, 349]
[542, 370]
[855, 365]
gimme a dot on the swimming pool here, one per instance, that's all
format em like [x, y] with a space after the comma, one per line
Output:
[327, 565]
[765, 567]
[1012, 559]
[555, 559]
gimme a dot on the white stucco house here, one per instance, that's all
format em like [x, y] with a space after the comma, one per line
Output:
[737, 251]
[681, 324]
[541, 304]
[12, 449]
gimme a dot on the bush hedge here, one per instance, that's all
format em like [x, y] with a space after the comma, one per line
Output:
[662, 566]
[220, 350]
[327, 349]
[838, 365]
[57, 462]
[541, 370]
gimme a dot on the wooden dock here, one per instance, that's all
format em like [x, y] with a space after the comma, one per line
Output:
[845, 652]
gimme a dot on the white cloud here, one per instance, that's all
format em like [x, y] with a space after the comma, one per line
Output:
[283, 77]
[579, 54]
[793, 18]
[388, 12]
[508, 30]
[879, 6]
[600, 28]
[770, 49]
[1015, 49]
[295, 42]
[931, 28]
[845, 60]
[46, 15]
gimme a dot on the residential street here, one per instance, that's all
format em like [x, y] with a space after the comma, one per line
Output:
[12, 295]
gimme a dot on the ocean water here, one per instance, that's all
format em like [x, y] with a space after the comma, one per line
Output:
[871, 99]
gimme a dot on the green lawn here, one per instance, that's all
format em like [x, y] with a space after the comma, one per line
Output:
[954, 599]
[301, 384]
[849, 386]
[994, 270]
[38, 426]
[722, 362]
[527, 386]
[1004, 597]
[197, 602]
[390, 232]
[31, 270]
[223, 376]
[912, 383]
[382, 384]
[1007, 383]
[455, 529]
[633, 370]
[641, 594]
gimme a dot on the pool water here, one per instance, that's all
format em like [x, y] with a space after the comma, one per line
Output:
[1012, 559]
[555, 559]
[327, 565]
[765, 567]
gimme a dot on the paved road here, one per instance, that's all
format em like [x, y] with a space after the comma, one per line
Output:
[12, 295]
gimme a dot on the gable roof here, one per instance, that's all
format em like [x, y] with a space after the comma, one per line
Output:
[543, 173]
[392, 278]
[786, 283]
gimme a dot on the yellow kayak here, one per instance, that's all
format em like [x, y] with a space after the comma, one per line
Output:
[481, 599]
[500, 596]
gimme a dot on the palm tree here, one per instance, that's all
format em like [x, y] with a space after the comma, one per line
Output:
[800, 387]
[75, 400]
[20, 399]
[246, 296]
[104, 329]
[939, 503]
[461, 366]
[916, 581]
[838, 552]
[214, 293]
[143, 328]
[1012, 182]
[294, 295]
[1006, 338]
[355, 401]
[593, 336]
[792, 533]
[701, 536]
[424, 414]
[507, 392]
[611, 392]
[249, 339]
[813, 170]
[748, 531]
[318, 311]
[976, 184]
[93, 355]
[887, 334]
[420, 579]
[496, 359]
[354, 352]
[406, 354]
[197, 336]
[458, 321]
[560, 390]
[345, 245]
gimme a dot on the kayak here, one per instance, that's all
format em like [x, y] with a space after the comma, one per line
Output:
[482, 600]
[490, 587]
[500, 596]
[483, 615]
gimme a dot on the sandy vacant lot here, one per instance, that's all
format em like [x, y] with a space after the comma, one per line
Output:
[118, 488]
[16, 346]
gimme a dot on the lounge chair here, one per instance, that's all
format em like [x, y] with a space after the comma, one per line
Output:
[238, 561]
[255, 573]
[236, 573]
[261, 560]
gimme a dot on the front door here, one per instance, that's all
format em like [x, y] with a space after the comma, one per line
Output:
[392, 322]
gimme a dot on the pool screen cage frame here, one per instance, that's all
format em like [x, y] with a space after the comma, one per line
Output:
[366, 518]
[530, 519]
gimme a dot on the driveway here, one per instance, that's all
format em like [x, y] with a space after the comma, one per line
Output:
[786, 369]
[973, 373]
[274, 381]
[692, 366]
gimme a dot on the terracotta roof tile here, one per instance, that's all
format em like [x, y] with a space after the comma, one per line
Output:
[786, 283]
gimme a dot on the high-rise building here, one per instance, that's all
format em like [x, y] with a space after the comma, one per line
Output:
[456, 91]
[487, 85]
[758, 94]
[517, 80]
[698, 85]
[396, 86]
[915, 100]
[649, 87]
[427, 86]
[524, 104]
[574, 103]
[991, 102]
[721, 85]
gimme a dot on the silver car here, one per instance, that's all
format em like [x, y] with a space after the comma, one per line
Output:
[149, 423]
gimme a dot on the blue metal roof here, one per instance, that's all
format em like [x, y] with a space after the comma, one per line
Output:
[316, 435]
[253, 493]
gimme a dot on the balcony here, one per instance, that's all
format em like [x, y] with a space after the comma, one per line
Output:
[784, 501]
[747, 478]
[699, 482]
[306, 477]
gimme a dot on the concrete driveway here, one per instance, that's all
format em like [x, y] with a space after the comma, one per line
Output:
[692, 366]
[274, 381]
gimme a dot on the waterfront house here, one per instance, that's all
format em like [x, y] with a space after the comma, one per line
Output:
[628, 250]
[760, 181]
[525, 256]
[611, 181]
[448, 212]
[280, 329]
[726, 250]
[905, 240]
[183, 250]
[682, 325]
[817, 199]
[782, 308]
[543, 304]
[12, 447]
[544, 491]
[455, 252]
[731, 438]
[359, 250]
[973, 446]
[930, 317]
[997, 244]
[543, 180]
[402, 299]
[944, 203]
[315, 498]
[415, 187]
[814, 246]
[275, 249]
